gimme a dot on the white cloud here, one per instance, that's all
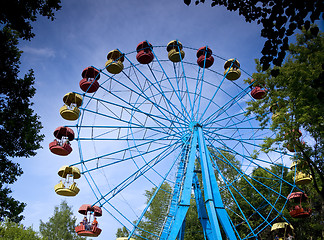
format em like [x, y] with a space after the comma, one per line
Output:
[42, 52]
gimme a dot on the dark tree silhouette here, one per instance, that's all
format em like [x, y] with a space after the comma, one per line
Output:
[19, 124]
[279, 19]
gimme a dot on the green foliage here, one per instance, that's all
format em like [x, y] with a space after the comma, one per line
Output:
[154, 218]
[15, 231]
[18, 15]
[20, 126]
[61, 225]
[122, 232]
[297, 93]
[279, 20]
[194, 229]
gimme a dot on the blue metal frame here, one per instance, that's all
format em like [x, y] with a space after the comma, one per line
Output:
[216, 215]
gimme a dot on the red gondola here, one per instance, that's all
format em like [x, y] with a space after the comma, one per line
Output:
[297, 202]
[258, 93]
[84, 228]
[144, 52]
[61, 145]
[290, 144]
[89, 82]
[205, 58]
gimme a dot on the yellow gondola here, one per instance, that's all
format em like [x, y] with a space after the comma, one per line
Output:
[70, 110]
[67, 189]
[282, 229]
[175, 52]
[300, 178]
[232, 69]
[115, 65]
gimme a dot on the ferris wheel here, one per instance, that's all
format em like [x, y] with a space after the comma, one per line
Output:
[171, 116]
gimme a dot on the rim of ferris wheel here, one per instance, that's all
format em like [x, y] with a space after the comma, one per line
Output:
[144, 52]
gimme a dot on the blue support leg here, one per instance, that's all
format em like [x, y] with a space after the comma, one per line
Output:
[214, 204]
[201, 210]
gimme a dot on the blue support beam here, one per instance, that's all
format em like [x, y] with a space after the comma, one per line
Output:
[211, 211]
[214, 204]
[184, 201]
[201, 210]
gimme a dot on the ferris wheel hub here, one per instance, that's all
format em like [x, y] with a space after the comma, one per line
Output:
[194, 124]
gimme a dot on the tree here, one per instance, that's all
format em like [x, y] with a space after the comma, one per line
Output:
[194, 229]
[154, 218]
[11, 230]
[61, 225]
[295, 94]
[19, 125]
[122, 232]
[18, 15]
[279, 20]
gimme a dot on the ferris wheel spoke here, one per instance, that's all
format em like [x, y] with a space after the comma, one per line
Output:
[182, 76]
[153, 196]
[247, 157]
[253, 161]
[134, 176]
[179, 116]
[154, 131]
[172, 87]
[130, 148]
[159, 88]
[211, 100]
[163, 127]
[253, 178]
[131, 108]
[243, 175]
[218, 121]
[142, 95]
[226, 107]
[242, 215]
[247, 143]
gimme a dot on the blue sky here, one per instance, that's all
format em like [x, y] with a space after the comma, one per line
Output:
[82, 35]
